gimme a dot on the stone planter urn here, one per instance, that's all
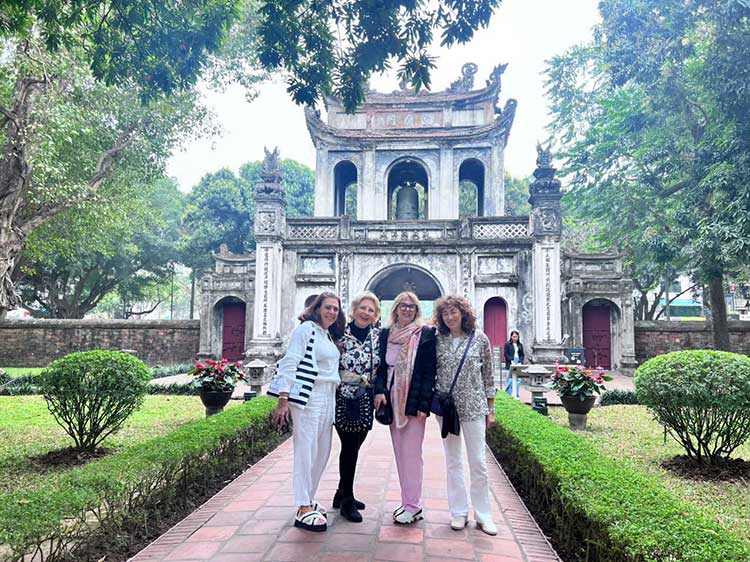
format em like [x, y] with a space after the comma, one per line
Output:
[214, 401]
[577, 410]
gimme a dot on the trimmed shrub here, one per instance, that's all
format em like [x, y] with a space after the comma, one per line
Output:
[122, 500]
[615, 397]
[170, 370]
[701, 397]
[597, 509]
[176, 388]
[92, 393]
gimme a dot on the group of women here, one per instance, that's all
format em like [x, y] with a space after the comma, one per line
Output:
[336, 372]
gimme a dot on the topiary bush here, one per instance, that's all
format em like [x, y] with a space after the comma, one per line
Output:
[701, 397]
[92, 393]
[615, 397]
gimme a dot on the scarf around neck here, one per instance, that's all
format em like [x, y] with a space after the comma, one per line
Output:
[407, 341]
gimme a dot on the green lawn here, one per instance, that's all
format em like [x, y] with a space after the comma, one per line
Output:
[17, 371]
[27, 429]
[630, 434]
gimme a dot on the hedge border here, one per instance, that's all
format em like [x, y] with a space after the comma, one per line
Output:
[118, 501]
[599, 509]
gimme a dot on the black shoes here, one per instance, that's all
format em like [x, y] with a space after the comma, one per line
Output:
[338, 498]
[349, 511]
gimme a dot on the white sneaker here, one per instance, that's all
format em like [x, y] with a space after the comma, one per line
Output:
[407, 518]
[488, 527]
[458, 523]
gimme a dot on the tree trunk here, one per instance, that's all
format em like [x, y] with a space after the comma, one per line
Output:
[192, 294]
[718, 312]
[10, 247]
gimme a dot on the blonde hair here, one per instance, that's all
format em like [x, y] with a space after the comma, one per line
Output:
[397, 301]
[356, 301]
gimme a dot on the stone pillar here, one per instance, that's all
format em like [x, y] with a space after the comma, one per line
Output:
[373, 203]
[444, 195]
[628, 362]
[546, 228]
[323, 184]
[494, 188]
[270, 225]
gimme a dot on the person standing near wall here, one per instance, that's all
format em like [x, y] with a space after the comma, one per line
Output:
[407, 374]
[305, 383]
[513, 354]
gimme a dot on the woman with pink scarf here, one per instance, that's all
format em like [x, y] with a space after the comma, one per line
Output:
[407, 370]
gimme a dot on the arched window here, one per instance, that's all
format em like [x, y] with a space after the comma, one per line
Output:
[471, 188]
[345, 189]
[407, 191]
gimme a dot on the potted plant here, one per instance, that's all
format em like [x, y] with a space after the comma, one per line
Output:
[576, 386]
[216, 381]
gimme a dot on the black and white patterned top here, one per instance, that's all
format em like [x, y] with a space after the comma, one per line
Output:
[359, 358]
[476, 382]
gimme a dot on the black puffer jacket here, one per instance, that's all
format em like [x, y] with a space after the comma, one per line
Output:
[422, 379]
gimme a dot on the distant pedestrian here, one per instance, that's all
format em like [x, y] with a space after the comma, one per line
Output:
[514, 355]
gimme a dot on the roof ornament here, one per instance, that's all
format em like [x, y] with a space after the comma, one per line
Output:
[543, 155]
[464, 84]
[494, 78]
[271, 175]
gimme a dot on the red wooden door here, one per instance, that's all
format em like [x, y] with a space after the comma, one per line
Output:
[233, 333]
[597, 337]
[496, 322]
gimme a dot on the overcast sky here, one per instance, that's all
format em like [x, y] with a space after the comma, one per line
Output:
[523, 33]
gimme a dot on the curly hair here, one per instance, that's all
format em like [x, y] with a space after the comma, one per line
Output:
[468, 316]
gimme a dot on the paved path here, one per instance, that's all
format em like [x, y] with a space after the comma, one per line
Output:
[251, 519]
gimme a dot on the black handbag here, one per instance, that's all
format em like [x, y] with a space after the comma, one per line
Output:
[384, 414]
[354, 405]
[443, 404]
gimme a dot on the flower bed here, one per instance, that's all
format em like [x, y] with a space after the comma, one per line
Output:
[595, 508]
[114, 503]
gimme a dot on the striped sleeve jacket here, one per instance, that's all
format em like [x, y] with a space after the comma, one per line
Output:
[297, 371]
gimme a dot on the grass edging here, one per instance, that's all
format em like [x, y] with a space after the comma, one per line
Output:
[595, 508]
[118, 501]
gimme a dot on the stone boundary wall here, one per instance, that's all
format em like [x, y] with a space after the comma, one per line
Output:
[655, 338]
[35, 343]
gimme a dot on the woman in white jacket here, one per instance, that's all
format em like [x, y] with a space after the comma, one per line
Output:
[306, 382]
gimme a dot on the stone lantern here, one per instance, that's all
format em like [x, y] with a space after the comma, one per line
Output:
[538, 376]
[256, 371]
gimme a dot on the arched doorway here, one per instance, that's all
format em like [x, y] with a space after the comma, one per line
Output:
[471, 188]
[233, 328]
[496, 323]
[388, 283]
[345, 189]
[597, 333]
[408, 186]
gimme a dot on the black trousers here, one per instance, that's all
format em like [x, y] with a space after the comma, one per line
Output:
[350, 444]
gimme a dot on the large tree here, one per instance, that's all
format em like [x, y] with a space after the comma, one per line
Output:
[649, 115]
[126, 242]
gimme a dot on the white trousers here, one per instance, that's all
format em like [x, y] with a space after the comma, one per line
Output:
[458, 502]
[313, 429]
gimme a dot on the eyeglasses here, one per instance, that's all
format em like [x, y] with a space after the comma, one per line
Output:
[406, 307]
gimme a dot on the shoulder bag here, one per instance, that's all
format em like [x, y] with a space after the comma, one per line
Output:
[443, 404]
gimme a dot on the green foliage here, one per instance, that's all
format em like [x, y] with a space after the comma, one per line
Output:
[617, 397]
[516, 196]
[162, 46]
[221, 210]
[596, 508]
[92, 393]
[654, 147]
[126, 242]
[142, 487]
[701, 397]
[170, 370]
[332, 48]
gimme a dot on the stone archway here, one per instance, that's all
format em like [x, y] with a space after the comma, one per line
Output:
[408, 189]
[391, 281]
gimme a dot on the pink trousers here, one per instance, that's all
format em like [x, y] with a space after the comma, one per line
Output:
[407, 448]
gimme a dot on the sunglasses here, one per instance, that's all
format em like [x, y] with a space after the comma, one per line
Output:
[407, 307]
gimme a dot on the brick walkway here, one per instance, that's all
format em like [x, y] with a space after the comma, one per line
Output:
[251, 519]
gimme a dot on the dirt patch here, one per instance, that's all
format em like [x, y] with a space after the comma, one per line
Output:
[69, 457]
[733, 470]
